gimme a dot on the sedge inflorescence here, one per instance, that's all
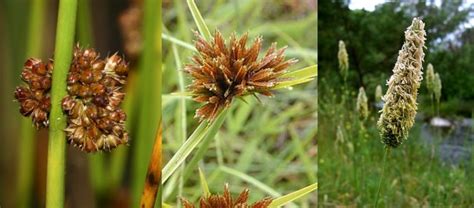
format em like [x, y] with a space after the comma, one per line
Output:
[362, 105]
[34, 97]
[94, 93]
[95, 119]
[398, 113]
[227, 201]
[222, 72]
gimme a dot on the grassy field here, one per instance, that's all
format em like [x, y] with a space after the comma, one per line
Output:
[266, 145]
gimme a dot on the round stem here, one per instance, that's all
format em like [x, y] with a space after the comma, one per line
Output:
[57, 142]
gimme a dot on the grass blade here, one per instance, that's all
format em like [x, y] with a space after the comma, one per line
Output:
[204, 130]
[204, 186]
[200, 23]
[267, 189]
[280, 201]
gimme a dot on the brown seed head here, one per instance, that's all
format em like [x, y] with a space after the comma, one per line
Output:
[95, 120]
[34, 97]
[223, 71]
[226, 201]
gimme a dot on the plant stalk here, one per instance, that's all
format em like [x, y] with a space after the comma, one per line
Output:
[57, 137]
[387, 152]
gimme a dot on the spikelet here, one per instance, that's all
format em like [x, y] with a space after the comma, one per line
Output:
[226, 201]
[437, 87]
[343, 59]
[362, 106]
[430, 78]
[398, 113]
[34, 98]
[95, 120]
[222, 72]
[378, 94]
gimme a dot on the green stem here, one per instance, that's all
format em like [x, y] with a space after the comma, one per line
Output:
[27, 142]
[149, 96]
[387, 152]
[57, 137]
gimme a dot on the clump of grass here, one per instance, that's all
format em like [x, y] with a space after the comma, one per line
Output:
[398, 113]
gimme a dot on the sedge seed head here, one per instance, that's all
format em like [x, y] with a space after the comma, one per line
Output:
[95, 120]
[378, 93]
[227, 201]
[223, 71]
[343, 59]
[430, 78]
[437, 87]
[362, 106]
[399, 110]
[34, 97]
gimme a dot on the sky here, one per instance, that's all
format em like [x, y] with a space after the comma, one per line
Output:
[369, 5]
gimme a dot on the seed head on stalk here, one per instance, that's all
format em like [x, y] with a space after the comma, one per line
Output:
[226, 201]
[437, 87]
[222, 72]
[343, 59]
[378, 93]
[95, 92]
[362, 106]
[398, 113]
[430, 78]
[34, 97]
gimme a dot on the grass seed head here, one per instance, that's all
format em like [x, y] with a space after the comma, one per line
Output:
[362, 106]
[223, 71]
[399, 110]
[430, 78]
[343, 59]
[227, 201]
[378, 93]
[437, 87]
[95, 120]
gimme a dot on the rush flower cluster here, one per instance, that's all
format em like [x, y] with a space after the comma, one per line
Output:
[92, 105]
[34, 98]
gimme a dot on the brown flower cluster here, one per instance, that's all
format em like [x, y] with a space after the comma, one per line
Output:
[34, 98]
[222, 72]
[226, 201]
[95, 120]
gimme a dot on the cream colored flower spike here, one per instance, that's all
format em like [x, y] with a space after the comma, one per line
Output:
[398, 113]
